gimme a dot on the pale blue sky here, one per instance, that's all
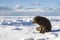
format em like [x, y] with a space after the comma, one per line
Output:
[26, 4]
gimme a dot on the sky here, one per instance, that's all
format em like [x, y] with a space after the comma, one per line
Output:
[29, 7]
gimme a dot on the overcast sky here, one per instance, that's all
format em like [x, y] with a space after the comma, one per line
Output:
[29, 7]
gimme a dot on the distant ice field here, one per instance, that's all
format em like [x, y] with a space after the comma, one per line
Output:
[22, 28]
[25, 20]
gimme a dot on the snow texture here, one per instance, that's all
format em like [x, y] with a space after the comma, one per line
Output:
[21, 28]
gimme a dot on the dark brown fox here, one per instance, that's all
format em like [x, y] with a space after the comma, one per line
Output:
[44, 23]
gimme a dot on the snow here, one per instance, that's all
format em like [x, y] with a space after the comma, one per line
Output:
[24, 32]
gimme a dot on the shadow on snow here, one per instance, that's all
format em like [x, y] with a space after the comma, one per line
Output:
[57, 30]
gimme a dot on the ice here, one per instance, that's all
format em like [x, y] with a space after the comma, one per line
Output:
[27, 32]
[29, 39]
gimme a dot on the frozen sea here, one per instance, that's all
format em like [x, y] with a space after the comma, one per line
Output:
[21, 28]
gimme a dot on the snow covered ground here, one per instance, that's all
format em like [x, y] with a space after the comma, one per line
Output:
[21, 31]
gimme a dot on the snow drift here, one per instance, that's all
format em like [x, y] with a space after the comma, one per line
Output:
[21, 28]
